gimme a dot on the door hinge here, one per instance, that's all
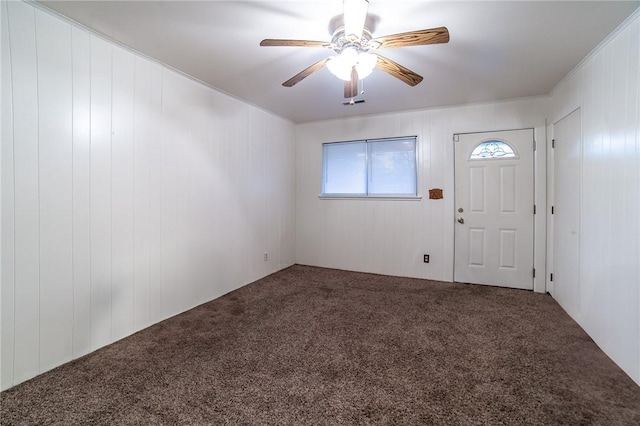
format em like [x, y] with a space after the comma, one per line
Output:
[553, 143]
[456, 138]
[552, 277]
[534, 145]
[534, 209]
[534, 272]
[552, 210]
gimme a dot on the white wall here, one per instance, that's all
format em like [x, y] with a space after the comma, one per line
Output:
[130, 193]
[607, 89]
[390, 237]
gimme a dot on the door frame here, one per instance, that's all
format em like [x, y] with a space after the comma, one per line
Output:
[550, 253]
[540, 186]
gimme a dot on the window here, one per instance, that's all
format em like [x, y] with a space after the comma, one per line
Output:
[492, 149]
[370, 168]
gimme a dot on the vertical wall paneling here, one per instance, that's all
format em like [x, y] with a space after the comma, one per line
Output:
[7, 292]
[181, 98]
[142, 187]
[605, 87]
[139, 193]
[169, 196]
[122, 255]
[200, 181]
[81, 57]
[209, 197]
[55, 182]
[216, 187]
[621, 304]
[155, 194]
[101, 187]
[635, 59]
[129, 193]
[182, 285]
[26, 174]
[191, 225]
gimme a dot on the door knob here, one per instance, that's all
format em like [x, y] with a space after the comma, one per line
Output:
[460, 220]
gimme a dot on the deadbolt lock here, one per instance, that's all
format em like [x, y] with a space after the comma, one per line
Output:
[460, 209]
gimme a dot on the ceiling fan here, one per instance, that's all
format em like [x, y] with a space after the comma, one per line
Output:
[353, 43]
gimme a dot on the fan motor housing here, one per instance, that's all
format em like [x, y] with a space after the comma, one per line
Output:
[340, 41]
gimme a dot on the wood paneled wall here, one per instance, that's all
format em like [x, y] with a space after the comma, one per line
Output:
[606, 87]
[130, 193]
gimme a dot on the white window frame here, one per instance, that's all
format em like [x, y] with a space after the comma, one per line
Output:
[367, 196]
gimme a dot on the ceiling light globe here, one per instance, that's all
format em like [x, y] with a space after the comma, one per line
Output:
[349, 55]
[341, 65]
[339, 68]
[366, 63]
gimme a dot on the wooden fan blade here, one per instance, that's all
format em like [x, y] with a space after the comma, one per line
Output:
[305, 73]
[398, 71]
[412, 38]
[351, 87]
[294, 43]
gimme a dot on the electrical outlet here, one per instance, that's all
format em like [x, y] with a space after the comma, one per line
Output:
[266, 256]
[426, 258]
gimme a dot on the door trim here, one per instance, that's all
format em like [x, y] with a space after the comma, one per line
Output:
[550, 255]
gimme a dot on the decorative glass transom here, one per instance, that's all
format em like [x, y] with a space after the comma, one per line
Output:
[492, 149]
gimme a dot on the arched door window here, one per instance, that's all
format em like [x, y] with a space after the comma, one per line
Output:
[492, 149]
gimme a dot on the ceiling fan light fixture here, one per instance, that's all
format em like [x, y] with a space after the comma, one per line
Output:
[355, 15]
[352, 41]
[342, 64]
[366, 63]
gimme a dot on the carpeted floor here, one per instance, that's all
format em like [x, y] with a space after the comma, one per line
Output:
[324, 347]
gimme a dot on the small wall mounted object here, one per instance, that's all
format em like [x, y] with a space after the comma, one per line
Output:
[435, 194]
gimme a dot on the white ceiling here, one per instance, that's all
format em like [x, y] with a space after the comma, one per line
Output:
[498, 50]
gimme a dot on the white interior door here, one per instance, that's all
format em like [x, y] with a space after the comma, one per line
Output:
[494, 208]
[567, 157]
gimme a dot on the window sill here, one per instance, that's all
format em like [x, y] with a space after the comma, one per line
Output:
[371, 197]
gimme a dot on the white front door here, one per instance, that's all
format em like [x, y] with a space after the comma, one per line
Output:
[494, 202]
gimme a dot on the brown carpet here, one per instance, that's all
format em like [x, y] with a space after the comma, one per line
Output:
[318, 346]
